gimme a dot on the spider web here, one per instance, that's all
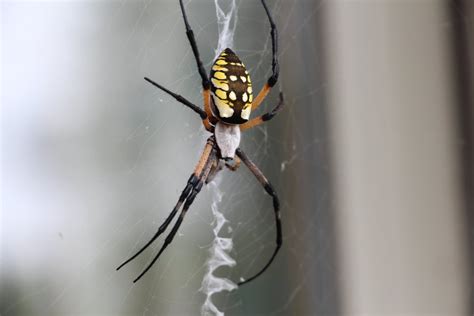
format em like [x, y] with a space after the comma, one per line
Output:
[97, 158]
[221, 246]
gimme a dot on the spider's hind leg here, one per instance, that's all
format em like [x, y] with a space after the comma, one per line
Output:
[193, 180]
[193, 186]
[189, 200]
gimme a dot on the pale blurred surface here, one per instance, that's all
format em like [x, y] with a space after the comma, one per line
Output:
[365, 158]
[401, 218]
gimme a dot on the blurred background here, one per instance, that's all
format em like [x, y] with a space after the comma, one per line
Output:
[372, 158]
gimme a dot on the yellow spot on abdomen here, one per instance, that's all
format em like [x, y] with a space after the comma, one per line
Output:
[219, 68]
[220, 75]
[221, 94]
[220, 84]
[221, 62]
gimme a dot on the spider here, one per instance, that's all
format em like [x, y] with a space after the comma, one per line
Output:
[228, 101]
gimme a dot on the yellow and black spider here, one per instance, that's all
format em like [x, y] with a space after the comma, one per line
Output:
[228, 101]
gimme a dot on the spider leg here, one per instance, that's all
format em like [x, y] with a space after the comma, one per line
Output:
[189, 32]
[193, 182]
[265, 117]
[203, 114]
[211, 119]
[273, 32]
[206, 84]
[180, 99]
[276, 206]
[187, 204]
[272, 80]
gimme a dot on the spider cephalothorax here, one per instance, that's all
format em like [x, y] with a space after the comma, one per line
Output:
[231, 89]
[228, 101]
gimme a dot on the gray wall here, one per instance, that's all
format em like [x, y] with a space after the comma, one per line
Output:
[401, 215]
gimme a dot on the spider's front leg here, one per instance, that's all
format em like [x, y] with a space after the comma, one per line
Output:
[272, 80]
[204, 114]
[210, 120]
[189, 200]
[196, 181]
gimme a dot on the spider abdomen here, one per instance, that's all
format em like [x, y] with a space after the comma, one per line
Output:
[231, 89]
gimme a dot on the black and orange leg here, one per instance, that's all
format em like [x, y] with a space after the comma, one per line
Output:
[265, 117]
[206, 84]
[180, 99]
[189, 200]
[275, 66]
[206, 95]
[211, 120]
[202, 113]
[261, 96]
[276, 207]
[273, 33]
[195, 182]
